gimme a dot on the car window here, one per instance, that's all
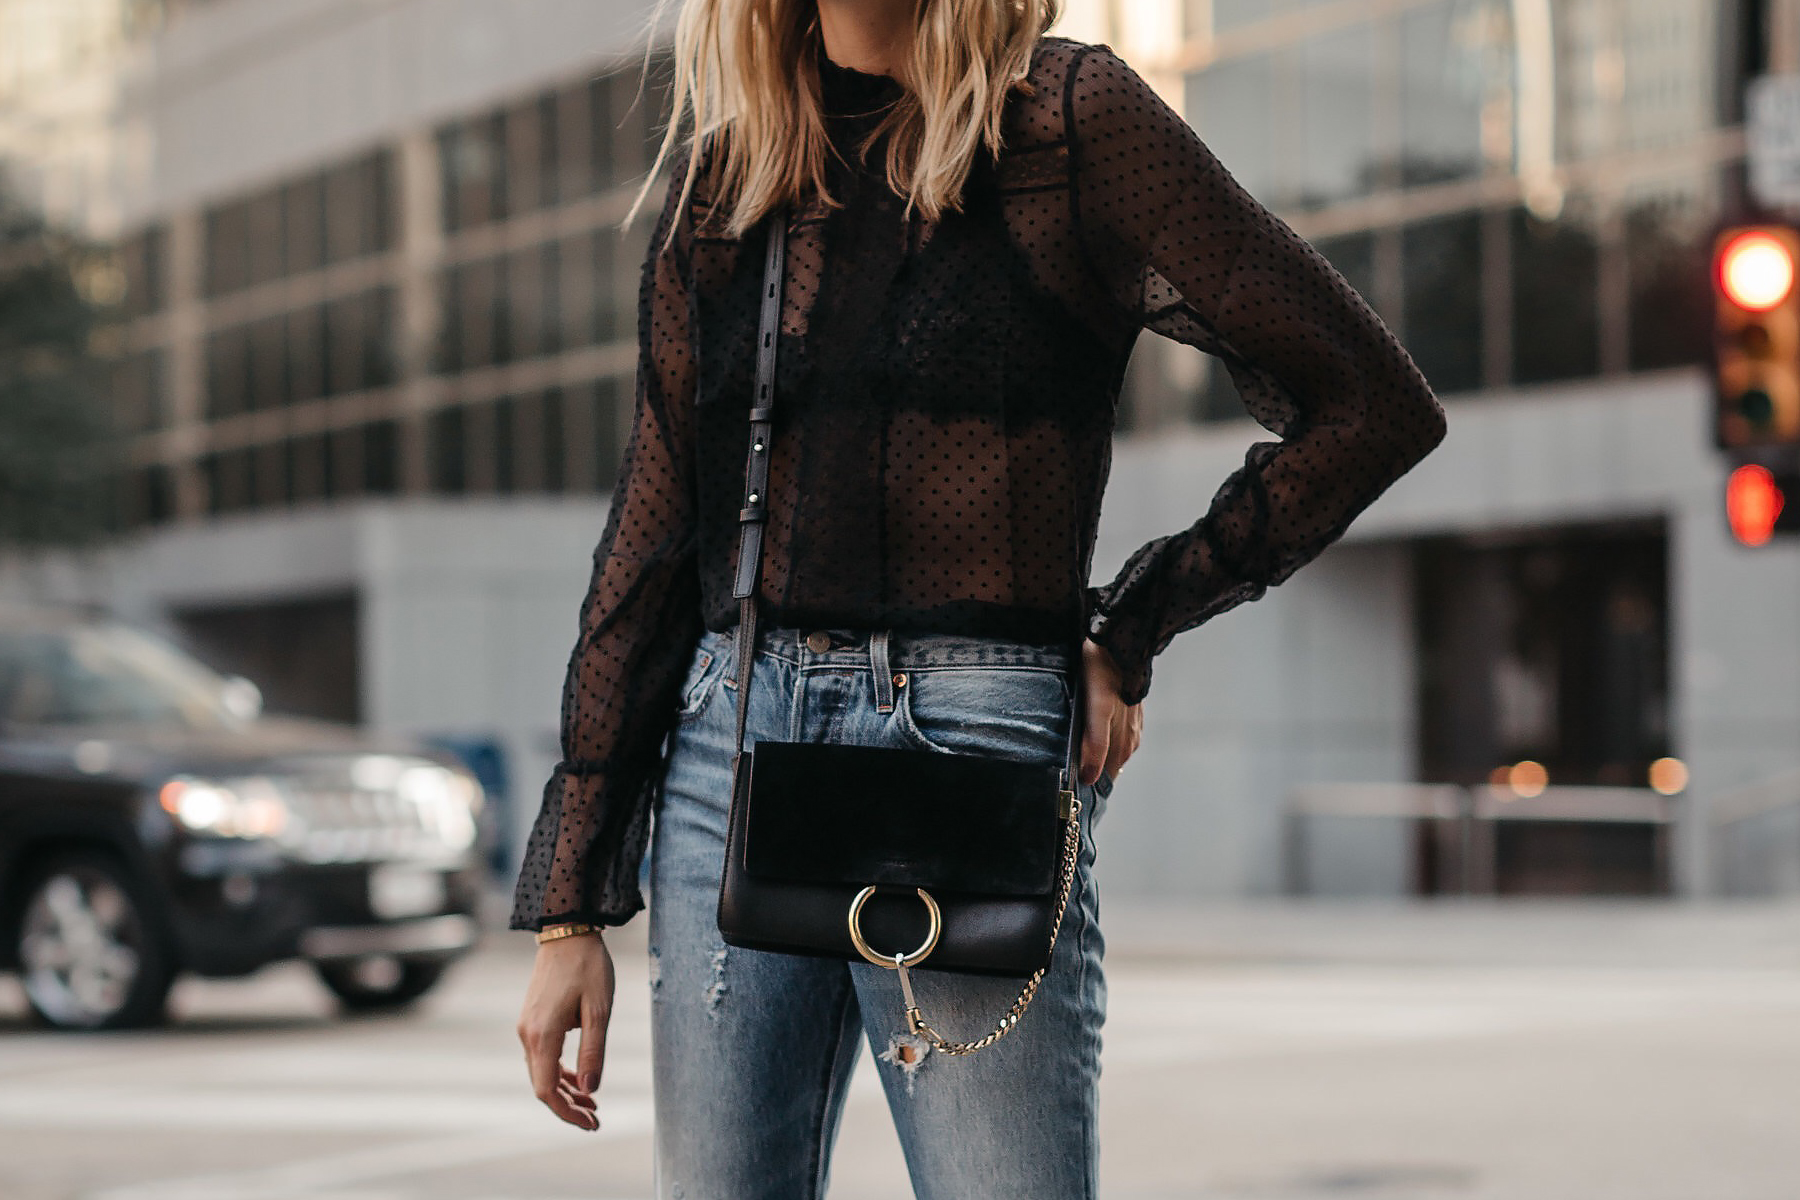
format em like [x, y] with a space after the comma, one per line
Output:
[102, 675]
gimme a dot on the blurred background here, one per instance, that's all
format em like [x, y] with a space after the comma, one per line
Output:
[333, 333]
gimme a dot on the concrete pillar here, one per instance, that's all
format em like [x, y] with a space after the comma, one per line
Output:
[420, 315]
[1784, 36]
[187, 362]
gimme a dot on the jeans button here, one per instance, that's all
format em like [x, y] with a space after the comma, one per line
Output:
[818, 641]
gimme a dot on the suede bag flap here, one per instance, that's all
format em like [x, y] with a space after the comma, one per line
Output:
[858, 815]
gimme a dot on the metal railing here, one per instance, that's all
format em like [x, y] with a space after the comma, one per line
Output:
[1460, 823]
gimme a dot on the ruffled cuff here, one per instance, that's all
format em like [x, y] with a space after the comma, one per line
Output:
[1130, 654]
[577, 869]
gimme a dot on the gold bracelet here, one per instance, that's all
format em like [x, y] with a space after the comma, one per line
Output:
[551, 933]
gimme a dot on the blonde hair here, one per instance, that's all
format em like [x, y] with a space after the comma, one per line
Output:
[746, 78]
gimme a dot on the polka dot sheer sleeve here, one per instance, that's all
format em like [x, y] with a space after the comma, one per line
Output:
[638, 627]
[1187, 253]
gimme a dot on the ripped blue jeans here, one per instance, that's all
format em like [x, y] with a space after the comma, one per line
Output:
[753, 1051]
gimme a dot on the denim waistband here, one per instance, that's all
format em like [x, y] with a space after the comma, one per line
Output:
[910, 651]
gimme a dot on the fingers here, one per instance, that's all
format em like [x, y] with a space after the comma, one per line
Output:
[591, 1057]
[549, 1080]
[1096, 734]
[570, 1085]
[1123, 735]
[1110, 733]
[568, 1079]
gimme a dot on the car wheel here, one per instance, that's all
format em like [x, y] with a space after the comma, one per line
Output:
[89, 953]
[380, 982]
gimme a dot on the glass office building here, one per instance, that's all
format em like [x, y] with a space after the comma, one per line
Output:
[462, 325]
[1525, 190]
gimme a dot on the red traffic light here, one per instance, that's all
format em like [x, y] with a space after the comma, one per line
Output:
[1756, 270]
[1753, 504]
[1756, 336]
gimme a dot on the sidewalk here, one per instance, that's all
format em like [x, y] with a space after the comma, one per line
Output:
[1651, 933]
[1579, 932]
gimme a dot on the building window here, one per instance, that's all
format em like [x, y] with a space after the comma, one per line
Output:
[448, 439]
[526, 306]
[268, 382]
[1668, 247]
[1233, 106]
[145, 496]
[551, 440]
[472, 155]
[1444, 76]
[262, 219]
[272, 475]
[1354, 257]
[530, 141]
[303, 210]
[143, 257]
[358, 208]
[309, 468]
[381, 458]
[341, 214]
[138, 400]
[227, 249]
[475, 330]
[603, 324]
[230, 481]
[1550, 646]
[1441, 261]
[608, 432]
[343, 348]
[503, 445]
[603, 171]
[227, 372]
[1336, 156]
[1556, 297]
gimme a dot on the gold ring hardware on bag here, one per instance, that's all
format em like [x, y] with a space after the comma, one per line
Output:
[893, 961]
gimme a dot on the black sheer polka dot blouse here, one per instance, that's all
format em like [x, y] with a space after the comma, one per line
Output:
[944, 432]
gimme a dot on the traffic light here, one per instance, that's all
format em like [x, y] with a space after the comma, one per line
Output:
[1756, 336]
[1760, 503]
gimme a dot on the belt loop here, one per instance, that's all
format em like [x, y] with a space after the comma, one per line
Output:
[883, 671]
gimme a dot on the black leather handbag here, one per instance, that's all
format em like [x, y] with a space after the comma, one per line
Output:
[897, 856]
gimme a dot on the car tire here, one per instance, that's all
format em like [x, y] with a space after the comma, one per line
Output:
[378, 984]
[89, 945]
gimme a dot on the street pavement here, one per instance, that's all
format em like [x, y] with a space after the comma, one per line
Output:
[1474, 1051]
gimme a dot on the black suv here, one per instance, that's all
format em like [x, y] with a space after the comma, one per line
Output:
[153, 821]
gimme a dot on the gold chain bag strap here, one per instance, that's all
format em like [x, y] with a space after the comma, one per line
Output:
[808, 873]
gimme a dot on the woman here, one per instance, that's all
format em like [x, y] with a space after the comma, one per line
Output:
[983, 220]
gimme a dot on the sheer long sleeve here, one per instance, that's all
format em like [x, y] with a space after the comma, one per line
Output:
[639, 623]
[1189, 254]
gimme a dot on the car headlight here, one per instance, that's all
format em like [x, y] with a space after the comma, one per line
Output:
[445, 800]
[244, 808]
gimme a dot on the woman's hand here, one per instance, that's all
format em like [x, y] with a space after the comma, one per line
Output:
[571, 987]
[1114, 728]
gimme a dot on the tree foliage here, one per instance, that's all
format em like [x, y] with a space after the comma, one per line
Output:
[56, 441]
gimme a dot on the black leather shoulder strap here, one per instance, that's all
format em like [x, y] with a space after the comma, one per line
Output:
[754, 514]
